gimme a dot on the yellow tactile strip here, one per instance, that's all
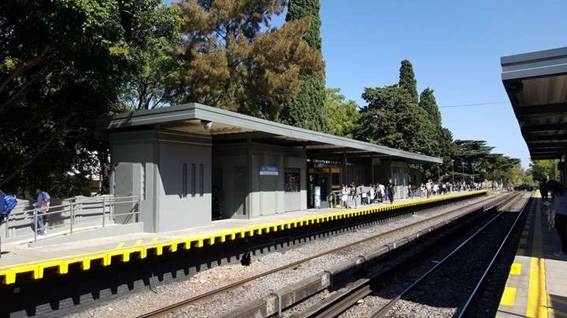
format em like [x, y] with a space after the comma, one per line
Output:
[9, 274]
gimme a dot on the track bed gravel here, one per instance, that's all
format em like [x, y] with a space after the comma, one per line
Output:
[443, 292]
[145, 301]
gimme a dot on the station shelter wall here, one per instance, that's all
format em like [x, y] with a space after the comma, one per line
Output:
[169, 172]
[246, 189]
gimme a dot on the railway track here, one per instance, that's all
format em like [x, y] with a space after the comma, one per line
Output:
[448, 266]
[481, 204]
[422, 290]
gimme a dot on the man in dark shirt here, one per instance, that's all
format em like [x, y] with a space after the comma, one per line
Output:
[390, 190]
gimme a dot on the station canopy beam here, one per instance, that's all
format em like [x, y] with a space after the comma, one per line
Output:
[536, 84]
[225, 127]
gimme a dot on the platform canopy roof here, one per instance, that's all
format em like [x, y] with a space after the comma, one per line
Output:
[536, 84]
[226, 126]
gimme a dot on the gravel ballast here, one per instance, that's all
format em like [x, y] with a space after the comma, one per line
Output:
[445, 290]
[145, 301]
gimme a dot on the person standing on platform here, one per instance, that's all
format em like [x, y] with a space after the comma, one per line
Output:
[428, 188]
[344, 196]
[559, 206]
[390, 190]
[543, 191]
[42, 204]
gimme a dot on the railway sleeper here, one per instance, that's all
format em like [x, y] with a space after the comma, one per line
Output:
[382, 261]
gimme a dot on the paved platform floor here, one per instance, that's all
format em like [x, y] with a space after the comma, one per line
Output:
[18, 258]
[537, 282]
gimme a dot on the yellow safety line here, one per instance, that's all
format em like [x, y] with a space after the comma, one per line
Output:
[9, 273]
[537, 291]
[516, 269]
[508, 296]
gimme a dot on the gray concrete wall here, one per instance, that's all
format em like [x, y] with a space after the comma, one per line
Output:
[239, 165]
[171, 174]
[268, 196]
[185, 183]
[134, 170]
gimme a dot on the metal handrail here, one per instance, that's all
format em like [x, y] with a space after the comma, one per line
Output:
[74, 211]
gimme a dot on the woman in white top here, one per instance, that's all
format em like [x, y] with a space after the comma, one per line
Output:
[344, 196]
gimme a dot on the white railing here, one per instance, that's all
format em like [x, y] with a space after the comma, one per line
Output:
[64, 218]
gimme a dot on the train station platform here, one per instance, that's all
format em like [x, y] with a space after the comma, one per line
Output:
[537, 281]
[27, 260]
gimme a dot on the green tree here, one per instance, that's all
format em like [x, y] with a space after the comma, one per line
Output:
[391, 118]
[342, 114]
[543, 170]
[407, 79]
[306, 109]
[428, 103]
[62, 67]
[515, 176]
[233, 58]
[299, 9]
[156, 66]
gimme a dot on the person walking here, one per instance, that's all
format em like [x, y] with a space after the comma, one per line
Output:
[42, 204]
[390, 189]
[559, 206]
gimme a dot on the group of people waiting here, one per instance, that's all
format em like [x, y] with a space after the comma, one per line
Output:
[354, 196]
[437, 188]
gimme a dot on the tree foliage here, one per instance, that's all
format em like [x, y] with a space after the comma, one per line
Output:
[234, 59]
[156, 65]
[544, 170]
[391, 118]
[306, 109]
[407, 79]
[342, 114]
[299, 9]
[62, 66]
[474, 159]
[428, 103]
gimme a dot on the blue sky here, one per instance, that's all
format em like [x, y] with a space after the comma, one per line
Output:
[455, 48]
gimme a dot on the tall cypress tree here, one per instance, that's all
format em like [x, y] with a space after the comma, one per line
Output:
[429, 104]
[407, 79]
[307, 109]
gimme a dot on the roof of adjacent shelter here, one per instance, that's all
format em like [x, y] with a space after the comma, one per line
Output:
[226, 124]
[536, 84]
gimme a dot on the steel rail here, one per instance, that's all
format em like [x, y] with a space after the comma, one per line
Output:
[356, 291]
[166, 309]
[463, 310]
[384, 310]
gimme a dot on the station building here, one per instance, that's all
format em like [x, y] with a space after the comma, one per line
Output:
[536, 84]
[191, 164]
